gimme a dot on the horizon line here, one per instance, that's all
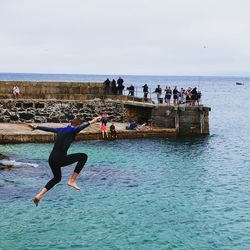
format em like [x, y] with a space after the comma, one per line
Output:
[115, 74]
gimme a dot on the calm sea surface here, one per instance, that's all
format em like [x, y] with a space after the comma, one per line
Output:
[185, 193]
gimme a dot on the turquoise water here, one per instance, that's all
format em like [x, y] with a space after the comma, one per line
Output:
[171, 193]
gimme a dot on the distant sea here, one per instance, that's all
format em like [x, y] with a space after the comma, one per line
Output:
[169, 193]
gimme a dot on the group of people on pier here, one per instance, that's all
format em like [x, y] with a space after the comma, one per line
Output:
[191, 96]
[113, 87]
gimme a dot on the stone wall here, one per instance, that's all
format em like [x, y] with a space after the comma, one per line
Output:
[59, 91]
[187, 120]
[163, 116]
[58, 111]
[49, 90]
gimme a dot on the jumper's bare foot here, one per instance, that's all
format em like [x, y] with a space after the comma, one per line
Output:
[36, 201]
[73, 185]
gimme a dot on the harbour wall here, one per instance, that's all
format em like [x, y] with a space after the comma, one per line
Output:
[46, 111]
[52, 90]
[45, 102]
[59, 91]
[187, 120]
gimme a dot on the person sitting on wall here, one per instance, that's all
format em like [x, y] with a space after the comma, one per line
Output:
[112, 130]
[103, 127]
[131, 90]
[16, 92]
[104, 131]
[132, 125]
[146, 125]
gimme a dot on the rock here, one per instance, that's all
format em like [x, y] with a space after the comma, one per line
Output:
[26, 116]
[19, 105]
[5, 119]
[39, 105]
[7, 113]
[55, 119]
[14, 117]
[3, 157]
[59, 111]
[28, 105]
[39, 119]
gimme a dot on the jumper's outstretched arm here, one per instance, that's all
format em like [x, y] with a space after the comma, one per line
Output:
[47, 129]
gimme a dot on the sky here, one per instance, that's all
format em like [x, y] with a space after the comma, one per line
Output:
[133, 37]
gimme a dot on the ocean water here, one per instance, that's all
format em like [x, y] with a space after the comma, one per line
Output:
[169, 193]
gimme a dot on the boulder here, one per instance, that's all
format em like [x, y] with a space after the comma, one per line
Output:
[14, 117]
[26, 116]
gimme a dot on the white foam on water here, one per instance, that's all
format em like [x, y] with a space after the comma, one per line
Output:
[16, 164]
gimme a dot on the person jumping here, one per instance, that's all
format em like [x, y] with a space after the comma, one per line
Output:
[58, 157]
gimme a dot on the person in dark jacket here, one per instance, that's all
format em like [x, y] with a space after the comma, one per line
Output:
[113, 130]
[145, 92]
[194, 96]
[131, 90]
[107, 88]
[158, 92]
[175, 95]
[59, 158]
[168, 94]
[120, 86]
[113, 87]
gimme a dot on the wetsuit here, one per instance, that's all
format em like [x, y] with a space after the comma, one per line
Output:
[58, 157]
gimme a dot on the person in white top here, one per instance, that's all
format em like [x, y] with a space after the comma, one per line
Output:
[16, 92]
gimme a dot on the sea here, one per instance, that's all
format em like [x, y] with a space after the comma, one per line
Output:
[168, 193]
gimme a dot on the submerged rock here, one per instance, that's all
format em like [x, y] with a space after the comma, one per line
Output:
[4, 157]
[9, 164]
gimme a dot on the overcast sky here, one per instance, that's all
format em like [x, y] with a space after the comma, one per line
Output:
[149, 37]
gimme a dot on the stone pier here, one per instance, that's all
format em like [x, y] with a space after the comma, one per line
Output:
[54, 102]
[187, 120]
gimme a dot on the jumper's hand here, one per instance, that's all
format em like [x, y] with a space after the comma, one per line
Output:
[32, 126]
[95, 119]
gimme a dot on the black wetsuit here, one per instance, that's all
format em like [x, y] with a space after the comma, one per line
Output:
[58, 157]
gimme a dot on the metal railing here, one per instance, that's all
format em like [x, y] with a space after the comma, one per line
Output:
[152, 97]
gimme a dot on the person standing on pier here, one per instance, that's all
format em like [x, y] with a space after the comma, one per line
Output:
[158, 92]
[59, 158]
[120, 86]
[113, 87]
[175, 95]
[145, 92]
[107, 86]
[168, 94]
[16, 92]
